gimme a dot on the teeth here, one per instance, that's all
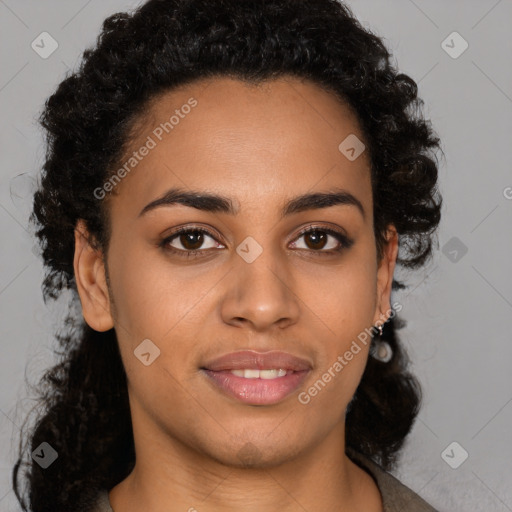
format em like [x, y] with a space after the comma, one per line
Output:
[259, 374]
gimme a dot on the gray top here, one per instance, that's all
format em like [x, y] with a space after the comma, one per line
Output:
[103, 504]
[396, 497]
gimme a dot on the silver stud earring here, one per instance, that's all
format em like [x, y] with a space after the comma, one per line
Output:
[380, 349]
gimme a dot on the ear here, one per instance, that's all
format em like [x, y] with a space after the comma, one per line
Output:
[90, 281]
[385, 273]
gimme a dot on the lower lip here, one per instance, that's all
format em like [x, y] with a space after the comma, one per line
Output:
[257, 391]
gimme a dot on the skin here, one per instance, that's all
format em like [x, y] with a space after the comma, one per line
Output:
[261, 146]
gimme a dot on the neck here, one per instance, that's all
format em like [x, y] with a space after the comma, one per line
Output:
[170, 475]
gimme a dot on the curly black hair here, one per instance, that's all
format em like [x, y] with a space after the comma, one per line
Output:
[163, 44]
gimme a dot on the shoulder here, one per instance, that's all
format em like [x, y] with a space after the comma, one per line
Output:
[395, 495]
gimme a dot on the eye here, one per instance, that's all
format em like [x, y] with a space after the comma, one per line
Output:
[317, 240]
[189, 241]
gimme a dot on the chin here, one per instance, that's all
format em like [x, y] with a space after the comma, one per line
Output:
[254, 454]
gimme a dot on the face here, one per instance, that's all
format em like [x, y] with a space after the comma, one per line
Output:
[242, 277]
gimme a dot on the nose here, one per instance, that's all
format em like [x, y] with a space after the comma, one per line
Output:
[260, 291]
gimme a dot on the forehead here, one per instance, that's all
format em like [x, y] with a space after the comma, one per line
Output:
[255, 143]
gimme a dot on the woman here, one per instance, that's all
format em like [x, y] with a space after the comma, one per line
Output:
[227, 191]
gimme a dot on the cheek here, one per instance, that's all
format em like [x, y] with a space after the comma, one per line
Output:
[167, 305]
[347, 313]
[156, 303]
[343, 297]
[151, 295]
[344, 303]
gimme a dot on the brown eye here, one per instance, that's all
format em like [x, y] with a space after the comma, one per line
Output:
[317, 240]
[190, 241]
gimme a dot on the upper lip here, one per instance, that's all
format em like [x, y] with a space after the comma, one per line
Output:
[249, 359]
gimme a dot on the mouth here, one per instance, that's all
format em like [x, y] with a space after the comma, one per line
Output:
[257, 378]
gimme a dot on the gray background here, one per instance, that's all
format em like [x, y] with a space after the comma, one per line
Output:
[458, 308]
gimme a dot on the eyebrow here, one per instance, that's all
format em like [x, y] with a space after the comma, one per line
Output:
[215, 203]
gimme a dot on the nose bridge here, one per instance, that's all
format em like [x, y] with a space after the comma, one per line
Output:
[261, 286]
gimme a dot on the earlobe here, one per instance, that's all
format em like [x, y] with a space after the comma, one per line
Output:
[385, 274]
[91, 281]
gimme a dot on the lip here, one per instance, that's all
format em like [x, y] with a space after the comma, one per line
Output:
[258, 361]
[257, 391]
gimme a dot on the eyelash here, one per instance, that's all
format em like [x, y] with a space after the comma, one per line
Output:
[344, 241]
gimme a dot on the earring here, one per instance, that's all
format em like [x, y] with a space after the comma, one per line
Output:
[380, 349]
